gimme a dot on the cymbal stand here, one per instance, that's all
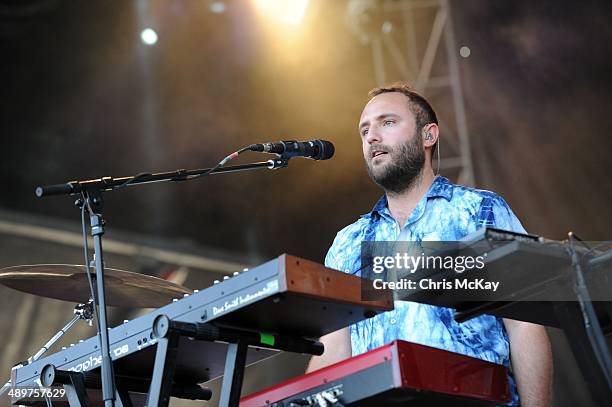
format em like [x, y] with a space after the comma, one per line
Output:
[81, 311]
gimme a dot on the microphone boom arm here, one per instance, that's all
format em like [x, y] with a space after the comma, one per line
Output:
[110, 183]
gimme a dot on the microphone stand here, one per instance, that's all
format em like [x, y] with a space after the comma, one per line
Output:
[91, 191]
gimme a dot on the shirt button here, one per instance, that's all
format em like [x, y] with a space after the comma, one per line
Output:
[392, 321]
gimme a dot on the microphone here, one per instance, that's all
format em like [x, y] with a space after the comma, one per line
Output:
[314, 149]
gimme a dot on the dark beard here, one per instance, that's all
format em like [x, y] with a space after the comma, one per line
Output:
[403, 169]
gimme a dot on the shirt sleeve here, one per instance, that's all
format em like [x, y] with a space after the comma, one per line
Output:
[331, 257]
[346, 242]
[495, 212]
[505, 218]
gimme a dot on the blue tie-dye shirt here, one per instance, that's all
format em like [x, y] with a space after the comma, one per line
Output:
[448, 212]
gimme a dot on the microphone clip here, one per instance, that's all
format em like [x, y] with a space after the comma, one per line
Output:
[278, 163]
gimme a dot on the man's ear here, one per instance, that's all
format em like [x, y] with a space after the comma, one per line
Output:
[430, 134]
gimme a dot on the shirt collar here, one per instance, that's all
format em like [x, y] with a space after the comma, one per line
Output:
[440, 188]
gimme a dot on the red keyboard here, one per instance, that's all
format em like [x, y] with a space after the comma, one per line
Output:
[400, 373]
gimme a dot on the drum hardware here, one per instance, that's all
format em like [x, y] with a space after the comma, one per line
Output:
[81, 312]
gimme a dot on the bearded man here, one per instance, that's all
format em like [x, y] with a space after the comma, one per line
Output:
[399, 134]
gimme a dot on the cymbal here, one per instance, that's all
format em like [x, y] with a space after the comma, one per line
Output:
[69, 283]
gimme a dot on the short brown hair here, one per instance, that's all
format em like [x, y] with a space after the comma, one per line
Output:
[419, 106]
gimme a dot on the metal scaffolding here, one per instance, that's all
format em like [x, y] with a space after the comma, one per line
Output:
[396, 30]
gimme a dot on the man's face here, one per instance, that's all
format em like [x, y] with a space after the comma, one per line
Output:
[392, 150]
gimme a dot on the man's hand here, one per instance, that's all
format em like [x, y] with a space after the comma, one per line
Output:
[531, 358]
[337, 348]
